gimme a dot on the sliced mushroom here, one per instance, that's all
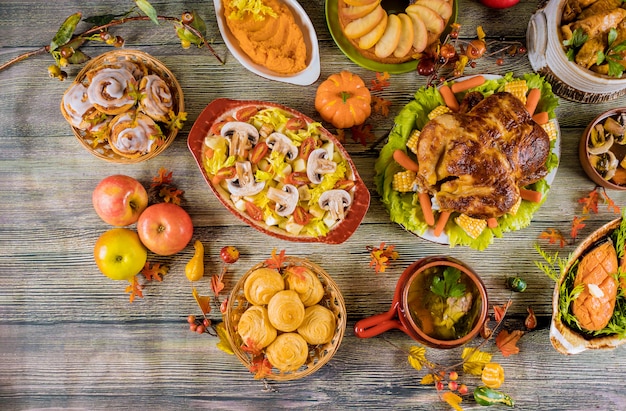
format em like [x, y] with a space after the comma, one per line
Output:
[241, 137]
[616, 129]
[244, 183]
[599, 140]
[318, 164]
[286, 199]
[282, 144]
[605, 164]
[336, 202]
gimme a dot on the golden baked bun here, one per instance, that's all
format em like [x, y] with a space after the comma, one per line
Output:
[261, 285]
[75, 105]
[288, 352]
[255, 328]
[318, 326]
[111, 88]
[305, 283]
[286, 311]
[156, 97]
[133, 134]
[393, 38]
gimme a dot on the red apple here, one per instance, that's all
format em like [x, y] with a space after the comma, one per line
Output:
[119, 200]
[499, 4]
[165, 228]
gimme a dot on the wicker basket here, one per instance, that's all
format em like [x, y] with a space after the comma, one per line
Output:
[318, 354]
[103, 149]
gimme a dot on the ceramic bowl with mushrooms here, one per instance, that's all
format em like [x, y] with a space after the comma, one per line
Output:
[279, 171]
[602, 149]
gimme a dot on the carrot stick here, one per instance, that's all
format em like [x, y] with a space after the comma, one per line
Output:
[405, 161]
[492, 222]
[467, 84]
[441, 223]
[532, 100]
[429, 217]
[541, 118]
[449, 98]
[530, 195]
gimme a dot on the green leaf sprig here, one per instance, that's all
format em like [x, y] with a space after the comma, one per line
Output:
[448, 285]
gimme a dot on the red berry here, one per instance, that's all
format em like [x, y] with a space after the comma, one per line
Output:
[463, 389]
[439, 385]
[426, 66]
[475, 49]
[206, 322]
[453, 375]
[229, 254]
[200, 329]
[193, 327]
[500, 61]
[453, 385]
[191, 319]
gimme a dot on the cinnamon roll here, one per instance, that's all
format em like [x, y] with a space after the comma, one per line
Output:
[111, 89]
[288, 352]
[286, 310]
[306, 283]
[156, 97]
[318, 326]
[133, 134]
[261, 285]
[254, 327]
[75, 105]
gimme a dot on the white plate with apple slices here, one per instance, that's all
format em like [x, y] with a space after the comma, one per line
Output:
[303, 78]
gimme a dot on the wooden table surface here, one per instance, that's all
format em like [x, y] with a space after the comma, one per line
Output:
[70, 338]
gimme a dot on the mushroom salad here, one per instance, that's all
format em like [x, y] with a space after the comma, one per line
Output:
[279, 170]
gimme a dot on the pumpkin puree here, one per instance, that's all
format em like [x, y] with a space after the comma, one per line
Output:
[275, 42]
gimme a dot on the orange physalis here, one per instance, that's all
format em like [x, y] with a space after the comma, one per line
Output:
[531, 319]
[204, 302]
[164, 177]
[154, 271]
[362, 133]
[507, 342]
[134, 289]
[590, 203]
[276, 261]
[381, 82]
[381, 105]
[553, 236]
[380, 257]
[499, 311]
[577, 224]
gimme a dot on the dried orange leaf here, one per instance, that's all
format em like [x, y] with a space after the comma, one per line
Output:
[154, 271]
[474, 360]
[427, 379]
[577, 225]
[453, 400]
[276, 261]
[223, 344]
[362, 134]
[261, 368]
[164, 177]
[507, 342]
[381, 82]
[380, 105]
[531, 319]
[134, 289]
[417, 357]
[171, 194]
[610, 203]
[499, 311]
[380, 256]
[553, 236]
[590, 203]
[217, 285]
[204, 302]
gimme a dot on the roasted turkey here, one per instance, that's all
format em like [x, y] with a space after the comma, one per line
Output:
[474, 161]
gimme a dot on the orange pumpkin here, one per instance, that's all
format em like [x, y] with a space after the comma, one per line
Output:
[343, 100]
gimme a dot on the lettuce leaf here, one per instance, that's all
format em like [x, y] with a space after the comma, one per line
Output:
[404, 208]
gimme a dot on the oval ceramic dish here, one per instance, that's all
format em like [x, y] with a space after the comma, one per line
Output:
[295, 173]
[304, 78]
[410, 218]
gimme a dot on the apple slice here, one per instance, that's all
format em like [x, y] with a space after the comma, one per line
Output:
[406, 36]
[370, 39]
[355, 12]
[361, 26]
[358, 3]
[434, 23]
[420, 34]
[390, 39]
[441, 7]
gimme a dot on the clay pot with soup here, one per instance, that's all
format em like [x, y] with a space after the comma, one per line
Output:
[439, 301]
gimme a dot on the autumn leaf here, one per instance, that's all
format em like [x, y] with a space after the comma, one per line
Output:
[217, 282]
[577, 225]
[474, 360]
[164, 177]
[223, 343]
[134, 289]
[362, 133]
[590, 203]
[499, 311]
[553, 235]
[276, 261]
[204, 302]
[452, 400]
[610, 203]
[154, 271]
[380, 105]
[171, 194]
[507, 342]
[341, 135]
[428, 379]
[297, 271]
[251, 347]
[531, 320]
[261, 368]
[381, 82]
[417, 357]
[480, 33]
[380, 256]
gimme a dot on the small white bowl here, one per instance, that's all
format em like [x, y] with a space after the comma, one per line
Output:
[303, 78]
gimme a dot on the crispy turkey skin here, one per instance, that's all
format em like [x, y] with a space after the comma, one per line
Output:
[475, 160]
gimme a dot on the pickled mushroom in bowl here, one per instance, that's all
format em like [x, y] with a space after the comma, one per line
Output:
[606, 146]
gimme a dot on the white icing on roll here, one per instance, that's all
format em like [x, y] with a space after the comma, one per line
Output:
[109, 90]
[156, 97]
[133, 135]
[75, 104]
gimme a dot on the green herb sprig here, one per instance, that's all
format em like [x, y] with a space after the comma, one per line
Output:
[448, 285]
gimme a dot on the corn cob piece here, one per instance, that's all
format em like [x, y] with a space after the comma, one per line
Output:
[515, 207]
[404, 181]
[550, 128]
[437, 111]
[413, 140]
[472, 226]
[518, 88]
